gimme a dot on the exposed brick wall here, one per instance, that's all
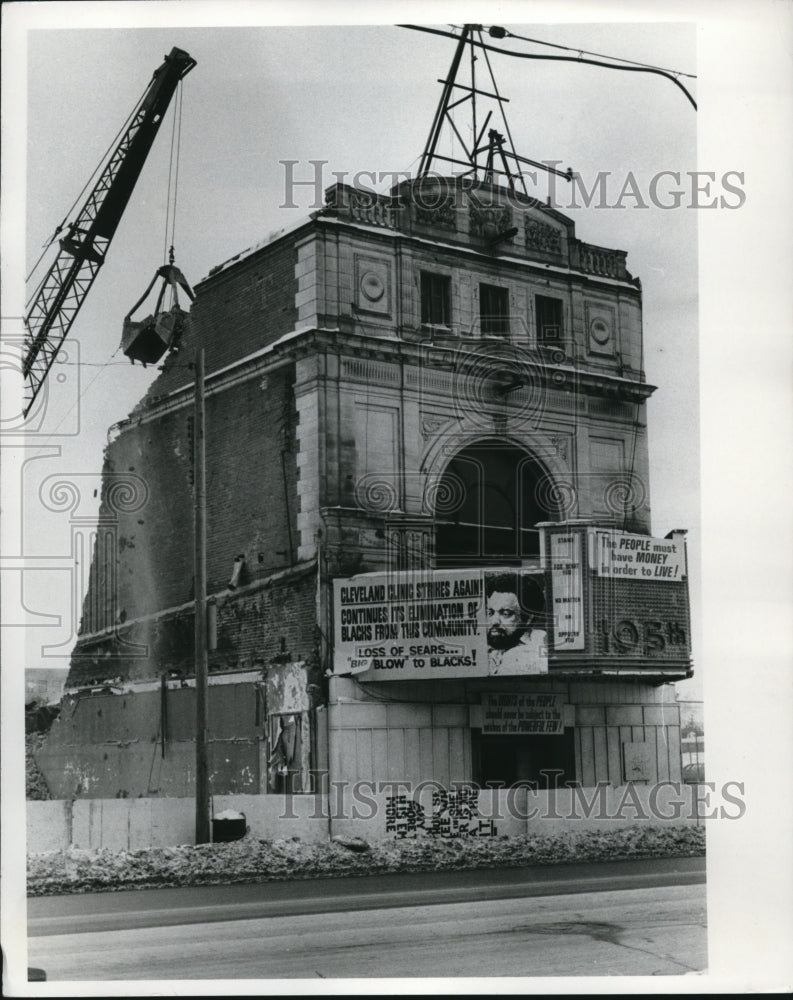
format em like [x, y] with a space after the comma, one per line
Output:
[253, 627]
[143, 562]
[236, 312]
[251, 478]
[251, 498]
[277, 620]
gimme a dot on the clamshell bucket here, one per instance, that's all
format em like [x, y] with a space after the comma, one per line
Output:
[148, 339]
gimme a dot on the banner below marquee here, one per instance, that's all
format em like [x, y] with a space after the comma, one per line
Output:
[523, 714]
[440, 623]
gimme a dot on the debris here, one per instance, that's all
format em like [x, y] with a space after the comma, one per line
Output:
[255, 860]
[351, 843]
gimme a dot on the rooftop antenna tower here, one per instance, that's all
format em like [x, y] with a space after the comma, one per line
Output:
[489, 153]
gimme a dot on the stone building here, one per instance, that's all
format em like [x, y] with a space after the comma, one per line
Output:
[404, 389]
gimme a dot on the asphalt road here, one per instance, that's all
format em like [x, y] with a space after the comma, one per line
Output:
[622, 918]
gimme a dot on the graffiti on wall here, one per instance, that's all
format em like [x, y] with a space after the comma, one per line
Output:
[453, 814]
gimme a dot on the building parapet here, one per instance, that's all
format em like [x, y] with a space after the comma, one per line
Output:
[491, 218]
[600, 261]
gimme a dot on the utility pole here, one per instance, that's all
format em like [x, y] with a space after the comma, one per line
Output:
[202, 832]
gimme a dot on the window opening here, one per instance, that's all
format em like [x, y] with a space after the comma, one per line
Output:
[494, 310]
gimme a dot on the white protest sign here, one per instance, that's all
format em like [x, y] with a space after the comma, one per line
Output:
[638, 557]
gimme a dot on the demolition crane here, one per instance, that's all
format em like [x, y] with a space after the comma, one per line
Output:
[84, 246]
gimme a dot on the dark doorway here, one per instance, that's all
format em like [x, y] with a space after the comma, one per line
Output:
[509, 759]
[494, 495]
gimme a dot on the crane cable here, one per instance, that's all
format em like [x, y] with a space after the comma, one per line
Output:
[575, 59]
[173, 175]
[173, 184]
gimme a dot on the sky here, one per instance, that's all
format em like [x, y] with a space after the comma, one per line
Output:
[717, 299]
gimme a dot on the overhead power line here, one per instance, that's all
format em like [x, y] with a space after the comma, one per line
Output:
[599, 55]
[622, 65]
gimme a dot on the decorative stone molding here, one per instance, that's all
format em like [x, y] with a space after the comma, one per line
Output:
[372, 280]
[441, 216]
[431, 424]
[601, 322]
[561, 444]
[540, 236]
[489, 222]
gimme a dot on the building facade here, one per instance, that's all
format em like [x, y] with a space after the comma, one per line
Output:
[405, 395]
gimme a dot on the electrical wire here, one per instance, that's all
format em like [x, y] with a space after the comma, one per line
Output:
[114, 364]
[600, 55]
[106, 364]
[575, 59]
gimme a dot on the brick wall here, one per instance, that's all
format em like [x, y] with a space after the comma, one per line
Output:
[251, 501]
[264, 621]
[275, 620]
[236, 312]
[143, 563]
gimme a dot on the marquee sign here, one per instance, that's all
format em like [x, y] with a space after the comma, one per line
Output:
[601, 601]
[633, 594]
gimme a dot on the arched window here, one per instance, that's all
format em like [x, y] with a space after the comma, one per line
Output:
[491, 496]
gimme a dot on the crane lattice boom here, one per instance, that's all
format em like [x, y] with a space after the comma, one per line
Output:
[83, 248]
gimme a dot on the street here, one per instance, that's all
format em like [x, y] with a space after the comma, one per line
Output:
[492, 923]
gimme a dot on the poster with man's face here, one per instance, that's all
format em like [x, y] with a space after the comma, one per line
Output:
[516, 638]
[441, 623]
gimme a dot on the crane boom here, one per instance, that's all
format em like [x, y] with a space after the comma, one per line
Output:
[83, 248]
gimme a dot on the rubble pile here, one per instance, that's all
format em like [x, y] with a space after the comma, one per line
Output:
[254, 860]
